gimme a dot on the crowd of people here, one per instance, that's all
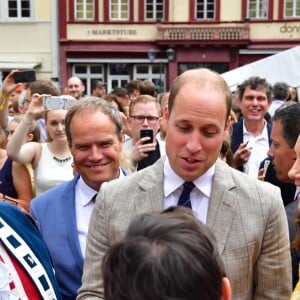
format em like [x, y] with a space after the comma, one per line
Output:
[130, 194]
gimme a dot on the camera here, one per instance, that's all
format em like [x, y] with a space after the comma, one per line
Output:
[55, 102]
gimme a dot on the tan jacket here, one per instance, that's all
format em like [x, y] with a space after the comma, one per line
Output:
[246, 215]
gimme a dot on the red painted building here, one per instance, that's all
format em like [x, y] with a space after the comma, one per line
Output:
[112, 40]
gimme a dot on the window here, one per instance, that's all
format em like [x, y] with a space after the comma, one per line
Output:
[119, 10]
[292, 8]
[205, 10]
[153, 72]
[154, 10]
[217, 67]
[87, 73]
[84, 10]
[19, 9]
[258, 9]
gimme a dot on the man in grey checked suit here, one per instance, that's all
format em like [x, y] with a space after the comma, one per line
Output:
[246, 215]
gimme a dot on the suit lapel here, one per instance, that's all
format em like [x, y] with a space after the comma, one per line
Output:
[222, 204]
[68, 212]
[150, 196]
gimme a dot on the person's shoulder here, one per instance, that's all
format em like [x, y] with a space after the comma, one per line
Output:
[54, 194]
[150, 175]
[244, 182]
[14, 216]
[7, 209]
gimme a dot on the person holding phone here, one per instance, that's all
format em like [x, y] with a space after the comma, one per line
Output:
[51, 160]
[9, 86]
[144, 121]
[250, 138]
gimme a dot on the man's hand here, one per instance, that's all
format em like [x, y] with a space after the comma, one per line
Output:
[9, 84]
[140, 150]
[242, 154]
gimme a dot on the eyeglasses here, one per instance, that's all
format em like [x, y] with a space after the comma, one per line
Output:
[141, 119]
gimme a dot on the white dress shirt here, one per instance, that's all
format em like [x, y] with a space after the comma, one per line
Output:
[260, 147]
[173, 186]
[83, 209]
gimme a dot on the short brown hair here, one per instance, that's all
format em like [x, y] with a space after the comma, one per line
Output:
[43, 86]
[144, 99]
[163, 256]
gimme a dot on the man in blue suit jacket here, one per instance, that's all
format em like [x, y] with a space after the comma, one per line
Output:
[94, 133]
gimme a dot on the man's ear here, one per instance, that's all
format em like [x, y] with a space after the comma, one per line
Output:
[122, 137]
[165, 113]
[226, 289]
[29, 137]
[228, 126]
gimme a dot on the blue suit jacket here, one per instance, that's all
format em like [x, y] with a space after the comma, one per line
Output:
[54, 212]
[25, 228]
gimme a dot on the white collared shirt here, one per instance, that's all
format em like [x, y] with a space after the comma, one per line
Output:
[260, 147]
[83, 209]
[199, 196]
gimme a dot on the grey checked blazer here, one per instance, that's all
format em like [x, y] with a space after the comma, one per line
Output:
[246, 215]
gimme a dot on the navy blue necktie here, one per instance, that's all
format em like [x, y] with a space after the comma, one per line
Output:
[93, 200]
[184, 199]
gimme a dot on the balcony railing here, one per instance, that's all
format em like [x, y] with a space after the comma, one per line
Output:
[206, 33]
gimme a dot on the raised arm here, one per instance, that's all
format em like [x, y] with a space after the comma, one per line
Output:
[8, 87]
[17, 148]
[22, 184]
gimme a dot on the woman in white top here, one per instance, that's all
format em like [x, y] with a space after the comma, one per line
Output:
[51, 161]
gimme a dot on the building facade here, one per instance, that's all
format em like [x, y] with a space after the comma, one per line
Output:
[29, 37]
[111, 39]
[119, 40]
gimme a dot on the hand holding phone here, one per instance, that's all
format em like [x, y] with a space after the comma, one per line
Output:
[24, 76]
[146, 132]
[55, 102]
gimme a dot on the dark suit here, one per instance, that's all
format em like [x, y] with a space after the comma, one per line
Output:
[54, 212]
[291, 210]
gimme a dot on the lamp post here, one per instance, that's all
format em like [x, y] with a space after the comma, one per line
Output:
[170, 56]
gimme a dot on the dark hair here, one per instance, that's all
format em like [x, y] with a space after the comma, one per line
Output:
[280, 91]
[164, 256]
[120, 92]
[148, 88]
[255, 83]
[97, 83]
[133, 85]
[200, 77]
[289, 116]
[92, 104]
[43, 86]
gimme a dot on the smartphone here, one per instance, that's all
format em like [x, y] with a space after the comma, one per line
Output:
[55, 102]
[147, 132]
[266, 165]
[25, 76]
